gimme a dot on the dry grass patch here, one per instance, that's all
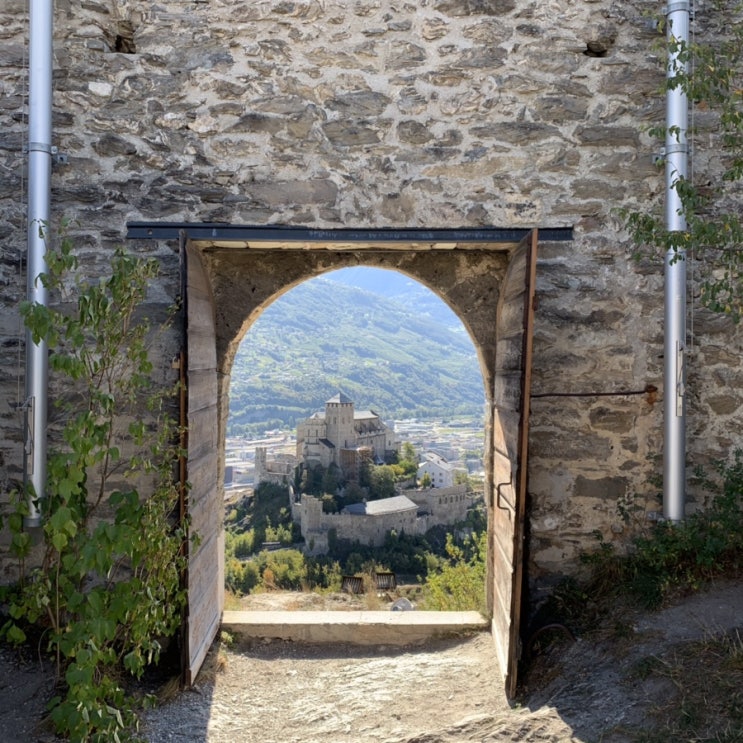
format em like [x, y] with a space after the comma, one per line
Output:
[699, 688]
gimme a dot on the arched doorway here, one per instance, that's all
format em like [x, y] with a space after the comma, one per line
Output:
[407, 371]
[490, 286]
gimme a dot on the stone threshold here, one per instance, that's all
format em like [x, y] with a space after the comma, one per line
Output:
[353, 627]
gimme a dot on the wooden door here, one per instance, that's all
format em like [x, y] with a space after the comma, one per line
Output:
[202, 506]
[511, 390]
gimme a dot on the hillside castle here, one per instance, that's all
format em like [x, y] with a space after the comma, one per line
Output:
[343, 437]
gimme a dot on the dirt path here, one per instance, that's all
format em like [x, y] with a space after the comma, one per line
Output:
[443, 692]
[279, 692]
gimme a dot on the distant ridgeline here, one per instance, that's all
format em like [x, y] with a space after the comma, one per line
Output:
[323, 336]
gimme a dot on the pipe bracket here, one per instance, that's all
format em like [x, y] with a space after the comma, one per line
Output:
[58, 158]
[672, 149]
[680, 5]
[40, 147]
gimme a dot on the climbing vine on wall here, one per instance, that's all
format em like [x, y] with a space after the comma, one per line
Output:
[107, 592]
[710, 72]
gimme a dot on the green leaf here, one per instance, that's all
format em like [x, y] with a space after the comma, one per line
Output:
[20, 544]
[67, 488]
[15, 634]
[59, 520]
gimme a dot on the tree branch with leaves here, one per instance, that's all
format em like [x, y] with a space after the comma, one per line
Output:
[710, 72]
[108, 590]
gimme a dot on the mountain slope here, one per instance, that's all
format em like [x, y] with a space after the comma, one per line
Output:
[396, 286]
[324, 336]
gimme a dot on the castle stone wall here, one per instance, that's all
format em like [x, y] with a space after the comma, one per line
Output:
[371, 113]
[366, 529]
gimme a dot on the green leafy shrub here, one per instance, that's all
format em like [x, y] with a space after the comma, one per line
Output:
[240, 545]
[672, 557]
[323, 574]
[459, 583]
[284, 569]
[107, 592]
[241, 576]
[381, 481]
[408, 461]
[282, 533]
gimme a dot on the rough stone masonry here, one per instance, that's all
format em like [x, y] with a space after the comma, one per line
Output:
[386, 113]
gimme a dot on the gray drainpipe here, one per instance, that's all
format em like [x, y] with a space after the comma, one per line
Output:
[676, 158]
[39, 197]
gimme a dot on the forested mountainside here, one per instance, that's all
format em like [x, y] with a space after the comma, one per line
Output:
[411, 294]
[397, 357]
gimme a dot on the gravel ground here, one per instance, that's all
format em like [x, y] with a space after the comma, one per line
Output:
[448, 691]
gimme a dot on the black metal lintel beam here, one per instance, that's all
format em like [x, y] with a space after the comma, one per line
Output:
[246, 233]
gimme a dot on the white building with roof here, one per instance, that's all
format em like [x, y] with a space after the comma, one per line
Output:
[441, 472]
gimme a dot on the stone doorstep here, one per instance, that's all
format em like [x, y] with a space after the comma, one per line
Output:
[354, 627]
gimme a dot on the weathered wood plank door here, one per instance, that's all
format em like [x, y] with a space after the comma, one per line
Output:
[511, 391]
[202, 498]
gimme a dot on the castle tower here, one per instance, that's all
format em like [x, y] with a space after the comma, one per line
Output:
[261, 456]
[339, 422]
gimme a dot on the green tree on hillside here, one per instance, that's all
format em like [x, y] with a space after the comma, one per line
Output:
[459, 584]
[382, 482]
[353, 493]
[409, 460]
[311, 479]
[332, 479]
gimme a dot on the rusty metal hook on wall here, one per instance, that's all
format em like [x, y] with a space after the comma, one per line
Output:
[499, 495]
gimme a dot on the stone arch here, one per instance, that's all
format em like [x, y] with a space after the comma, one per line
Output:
[228, 285]
[386, 262]
[467, 281]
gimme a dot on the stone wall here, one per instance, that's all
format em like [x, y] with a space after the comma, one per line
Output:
[439, 506]
[371, 113]
[366, 529]
[279, 469]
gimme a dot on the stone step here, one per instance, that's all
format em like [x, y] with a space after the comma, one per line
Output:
[354, 627]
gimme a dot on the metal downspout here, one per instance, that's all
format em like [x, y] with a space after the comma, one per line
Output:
[676, 158]
[39, 197]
